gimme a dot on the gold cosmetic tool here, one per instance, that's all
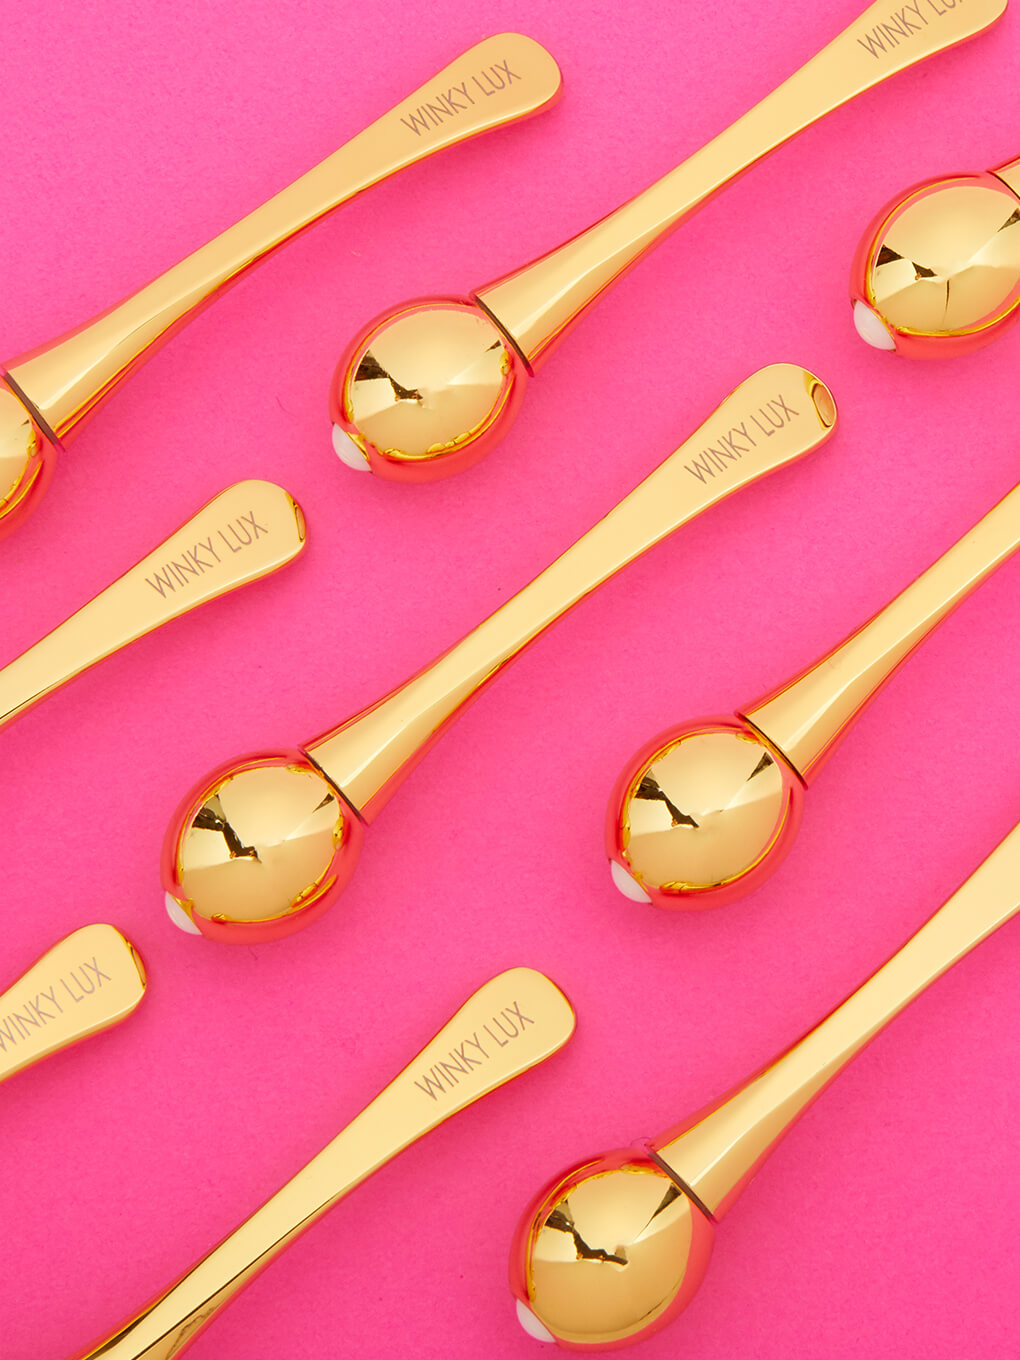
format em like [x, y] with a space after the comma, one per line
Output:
[428, 388]
[265, 844]
[89, 981]
[245, 533]
[615, 1248]
[937, 273]
[511, 1024]
[50, 391]
[706, 811]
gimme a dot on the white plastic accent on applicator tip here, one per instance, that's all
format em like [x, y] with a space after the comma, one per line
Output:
[871, 328]
[531, 1324]
[627, 885]
[180, 917]
[347, 451]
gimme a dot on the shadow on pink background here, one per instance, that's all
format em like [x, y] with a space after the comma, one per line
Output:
[885, 1226]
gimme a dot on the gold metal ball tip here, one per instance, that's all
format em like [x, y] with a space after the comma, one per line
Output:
[425, 391]
[938, 272]
[611, 1253]
[25, 458]
[702, 815]
[259, 850]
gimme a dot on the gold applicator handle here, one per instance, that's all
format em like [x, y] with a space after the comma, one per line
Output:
[90, 980]
[775, 416]
[500, 80]
[719, 1151]
[806, 717]
[248, 531]
[509, 1025]
[538, 304]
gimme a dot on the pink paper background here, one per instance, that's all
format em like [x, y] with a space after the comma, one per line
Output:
[886, 1225]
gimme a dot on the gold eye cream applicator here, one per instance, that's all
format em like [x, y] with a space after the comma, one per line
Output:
[509, 1025]
[49, 392]
[615, 1248]
[264, 845]
[430, 387]
[706, 811]
[937, 273]
[89, 981]
[247, 532]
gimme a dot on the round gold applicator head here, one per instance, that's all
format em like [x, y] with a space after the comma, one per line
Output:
[608, 1253]
[261, 850]
[431, 386]
[937, 273]
[49, 392]
[705, 812]
[425, 391]
[702, 815]
[262, 847]
[615, 1248]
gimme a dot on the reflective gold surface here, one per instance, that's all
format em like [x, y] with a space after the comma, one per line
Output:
[611, 1251]
[428, 389]
[366, 757]
[946, 261]
[708, 807]
[19, 444]
[538, 304]
[774, 417]
[498, 81]
[717, 1153]
[1009, 174]
[806, 718]
[699, 818]
[248, 531]
[89, 981]
[562, 1262]
[534, 1020]
[23, 452]
[265, 842]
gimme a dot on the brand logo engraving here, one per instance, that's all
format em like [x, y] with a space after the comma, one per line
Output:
[767, 421]
[446, 104]
[206, 554]
[914, 17]
[72, 988]
[474, 1052]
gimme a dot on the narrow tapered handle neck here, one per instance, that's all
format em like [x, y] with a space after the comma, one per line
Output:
[505, 78]
[538, 304]
[807, 717]
[247, 532]
[776, 416]
[509, 1025]
[718, 1152]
